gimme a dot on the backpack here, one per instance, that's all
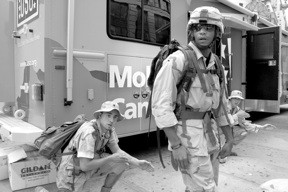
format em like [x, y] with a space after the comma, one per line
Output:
[52, 142]
[157, 61]
[156, 65]
[173, 46]
[190, 71]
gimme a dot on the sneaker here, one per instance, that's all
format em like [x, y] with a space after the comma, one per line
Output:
[233, 154]
[222, 160]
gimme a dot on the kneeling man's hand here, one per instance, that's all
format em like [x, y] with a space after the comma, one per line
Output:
[146, 165]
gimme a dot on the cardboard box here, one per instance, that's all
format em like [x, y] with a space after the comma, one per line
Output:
[28, 169]
[4, 151]
[18, 130]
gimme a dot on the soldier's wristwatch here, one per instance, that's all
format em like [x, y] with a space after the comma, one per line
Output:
[176, 146]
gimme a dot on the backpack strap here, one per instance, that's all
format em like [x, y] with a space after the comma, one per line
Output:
[192, 56]
[223, 91]
[184, 81]
[159, 147]
[189, 71]
[99, 138]
[221, 74]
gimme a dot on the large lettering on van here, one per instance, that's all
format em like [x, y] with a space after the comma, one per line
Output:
[138, 79]
[128, 79]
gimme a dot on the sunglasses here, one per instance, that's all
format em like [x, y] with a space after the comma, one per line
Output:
[206, 27]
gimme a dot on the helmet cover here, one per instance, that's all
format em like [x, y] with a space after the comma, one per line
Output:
[208, 15]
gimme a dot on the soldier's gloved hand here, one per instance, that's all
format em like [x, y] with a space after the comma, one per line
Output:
[181, 156]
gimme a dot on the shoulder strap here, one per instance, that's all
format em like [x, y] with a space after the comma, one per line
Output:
[194, 64]
[190, 55]
[221, 73]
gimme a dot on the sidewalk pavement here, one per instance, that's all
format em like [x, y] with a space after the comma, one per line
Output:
[261, 157]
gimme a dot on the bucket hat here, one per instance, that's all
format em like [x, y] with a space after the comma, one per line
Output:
[236, 94]
[108, 106]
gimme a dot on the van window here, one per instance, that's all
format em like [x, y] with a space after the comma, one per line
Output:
[146, 21]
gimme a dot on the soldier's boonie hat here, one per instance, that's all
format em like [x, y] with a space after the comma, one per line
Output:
[236, 94]
[107, 107]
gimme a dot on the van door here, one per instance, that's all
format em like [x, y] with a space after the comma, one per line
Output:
[262, 70]
[127, 86]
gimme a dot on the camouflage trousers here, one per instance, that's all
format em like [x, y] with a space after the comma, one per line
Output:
[239, 134]
[202, 174]
[65, 175]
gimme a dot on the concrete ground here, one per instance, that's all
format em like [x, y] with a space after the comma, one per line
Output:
[261, 157]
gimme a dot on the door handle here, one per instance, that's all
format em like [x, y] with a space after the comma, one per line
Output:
[145, 94]
[136, 95]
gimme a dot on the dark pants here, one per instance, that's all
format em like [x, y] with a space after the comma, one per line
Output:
[227, 148]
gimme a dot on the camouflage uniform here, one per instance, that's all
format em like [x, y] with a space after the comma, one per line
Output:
[191, 131]
[202, 173]
[88, 144]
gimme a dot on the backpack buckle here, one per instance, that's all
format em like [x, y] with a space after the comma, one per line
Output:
[209, 94]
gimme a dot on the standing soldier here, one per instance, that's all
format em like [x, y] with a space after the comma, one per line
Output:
[189, 128]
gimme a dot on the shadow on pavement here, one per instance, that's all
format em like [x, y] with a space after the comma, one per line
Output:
[262, 115]
[142, 143]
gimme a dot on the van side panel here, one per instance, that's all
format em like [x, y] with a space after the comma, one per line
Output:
[99, 74]
[7, 75]
[29, 66]
[89, 74]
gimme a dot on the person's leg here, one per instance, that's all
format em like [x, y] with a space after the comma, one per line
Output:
[227, 148]
[228, 132]
[66, 179]
[199, 176]
[110, 181]
[239, 134]
[113, 172]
